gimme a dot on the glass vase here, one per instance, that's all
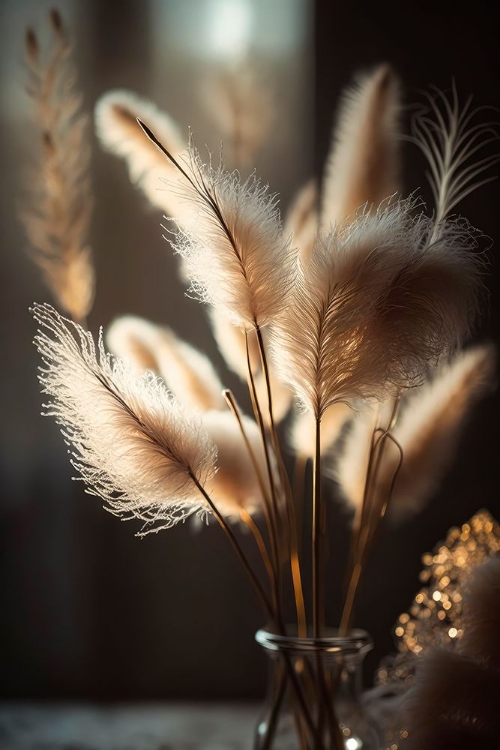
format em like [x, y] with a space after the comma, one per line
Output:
[314, 694]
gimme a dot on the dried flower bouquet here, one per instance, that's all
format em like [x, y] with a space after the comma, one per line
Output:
[349, 314]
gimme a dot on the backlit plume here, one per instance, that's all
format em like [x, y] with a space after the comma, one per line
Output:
[138, 451]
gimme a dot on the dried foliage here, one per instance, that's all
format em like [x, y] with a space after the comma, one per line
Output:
[187, 372]
[364, 161]
[375, 304]
[235, 253]
[57, 208]
[354, 318]
[139, 450]
[116, 117]
[241, 103]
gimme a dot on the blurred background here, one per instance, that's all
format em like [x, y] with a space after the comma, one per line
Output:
[88, 610]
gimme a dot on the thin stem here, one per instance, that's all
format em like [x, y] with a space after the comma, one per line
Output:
[316, 535]
[231, 402]
[239, 552]
[250, 523]
[291, 515]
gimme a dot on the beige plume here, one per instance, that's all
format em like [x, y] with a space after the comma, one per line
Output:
[364, 161]
[235, 485]
[235, 254]
[303, 429]
[429, 428]
[242, 107]
[301, 222]
[351, 465]
[188, 373]
[57, 210]
[131, 442]
[116, 116]
[231, 343]
[375, 304]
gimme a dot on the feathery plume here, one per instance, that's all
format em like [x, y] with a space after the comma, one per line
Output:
[235, 484]
[56, 214]
[448, 140]
[187, 373]
[116, 116]
[375, 304]
[429, 428]
[363, 163]
[352, 463]
[482, 614]
[303, 430]
[301, 222]
[138, 450]
[235, 254]
[241, 105]
[230, 340]
[454, 703]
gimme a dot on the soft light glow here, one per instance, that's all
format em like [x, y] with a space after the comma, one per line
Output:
[230, 29]
[352, 744]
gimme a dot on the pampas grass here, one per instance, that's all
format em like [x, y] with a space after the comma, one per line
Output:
[138, 451]
[456, 692]
[57, 207]
[364, 161]
[187, 373]
[236, 484]
[235, 255]
[349, 320]
[427, 431]
[116, 116]
[241, 103]
[301, 221]
[371, 309]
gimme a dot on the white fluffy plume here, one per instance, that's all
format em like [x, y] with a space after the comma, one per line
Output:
[303, 430]
[235, 254]
[427, 431]
[363, 164]
[187, 372]
[235, 485]
[301, 222]
[375, 304]
[132, 444]
[429, 428]
[116, 116]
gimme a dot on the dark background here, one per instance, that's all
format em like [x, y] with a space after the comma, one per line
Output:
[88, 610]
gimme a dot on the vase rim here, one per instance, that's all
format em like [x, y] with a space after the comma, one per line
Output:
[357, 641]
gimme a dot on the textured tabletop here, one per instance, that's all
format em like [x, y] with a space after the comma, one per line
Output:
[212, 726]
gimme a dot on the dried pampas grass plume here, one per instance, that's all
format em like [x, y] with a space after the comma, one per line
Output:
[235, 485]
[375, 304]
[242, 107]
[187, 372]
[449, 139]
[364, 161]
[301, 221]
[454, 704]
[230, 340]
[429, 428]
[235, 253]
[116, 116]
[303, 429]
[351, 466]
[57, 210]
[482, 614]
[138, 451]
